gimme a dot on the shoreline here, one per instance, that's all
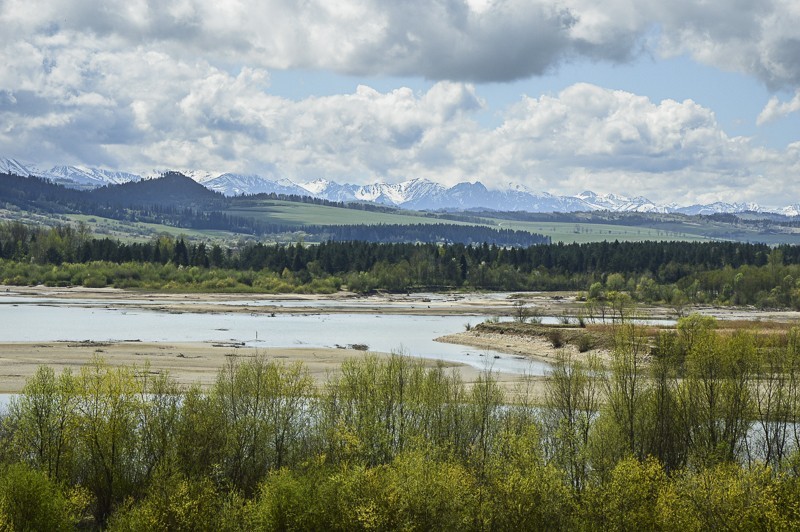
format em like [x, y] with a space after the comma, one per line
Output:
[500, 304]
[529, 347]
[199, 362]
[422, 303]
[189, 363]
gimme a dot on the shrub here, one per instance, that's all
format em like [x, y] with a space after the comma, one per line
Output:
[556, 338]
[29, 500]
[584, 343]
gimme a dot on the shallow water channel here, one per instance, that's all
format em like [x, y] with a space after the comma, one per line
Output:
[32, 319]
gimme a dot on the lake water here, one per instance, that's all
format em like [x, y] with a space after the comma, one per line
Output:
[30, 319]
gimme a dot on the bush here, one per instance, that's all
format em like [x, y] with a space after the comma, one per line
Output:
[556, 338]
[176, 503]
[585, 343]
[29, 500]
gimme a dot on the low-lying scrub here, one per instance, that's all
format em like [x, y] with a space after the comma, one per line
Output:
[392, 444]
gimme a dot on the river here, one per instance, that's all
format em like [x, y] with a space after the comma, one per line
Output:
[34, 319]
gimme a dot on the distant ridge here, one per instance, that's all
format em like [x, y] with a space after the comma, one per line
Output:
[416, 194]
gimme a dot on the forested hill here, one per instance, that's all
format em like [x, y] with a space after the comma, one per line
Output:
[33, 193]
[171, 189]
[178, 201]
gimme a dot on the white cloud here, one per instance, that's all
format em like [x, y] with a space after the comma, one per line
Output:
[754, 37]
[462, 40]
[137, 85]
[775, 109]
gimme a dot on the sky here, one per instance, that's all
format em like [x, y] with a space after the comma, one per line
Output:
[685, 101]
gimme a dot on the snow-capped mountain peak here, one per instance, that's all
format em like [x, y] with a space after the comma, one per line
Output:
[238, 184]
[416, 193]
[17, 167]
[619, 203]
[316, 186]
[790, 210]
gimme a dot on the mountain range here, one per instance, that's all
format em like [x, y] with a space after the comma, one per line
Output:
[415, 194]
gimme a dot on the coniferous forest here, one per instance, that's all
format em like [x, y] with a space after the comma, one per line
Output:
[654, 272]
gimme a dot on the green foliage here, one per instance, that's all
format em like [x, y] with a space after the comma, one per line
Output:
[261, 405]
[45, 423]
[181, 504]
[629, 500]
[585, 343]
[726, 497]
[674, 273]
[392, 444]
[31, 501]
[524, 491]
[572, 400]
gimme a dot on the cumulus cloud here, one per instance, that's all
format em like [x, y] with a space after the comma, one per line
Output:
[775, 109]
[459, 40]
[140, 84]
[589, 137]
[755, 37]
[147, 111]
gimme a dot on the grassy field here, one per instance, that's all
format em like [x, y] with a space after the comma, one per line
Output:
[662, 228]
[308, 214]
[138, 231]
[301, 214]
[287, 212]
[584, 232]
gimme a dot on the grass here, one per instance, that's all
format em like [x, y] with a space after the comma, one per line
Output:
[139, 231]
[300, 214]
[588, 232]
[663, 228]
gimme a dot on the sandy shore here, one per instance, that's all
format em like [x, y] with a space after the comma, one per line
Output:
[441, 304]
[445, 304]
[199, 362]
[187, 363]
[532, 347]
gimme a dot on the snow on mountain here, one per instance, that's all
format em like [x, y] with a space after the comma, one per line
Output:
[331, 191]
[317, 187]
[89, 177]
[17, 167]
[418, 194]
[790, 210]
[398, 194]
[112, 177]
[419, 188]
[477, 196]
[71, 176]
[394, 194]
[238, 184]
[201, 176]
[719, 207]
[383, 193]
[619, 203]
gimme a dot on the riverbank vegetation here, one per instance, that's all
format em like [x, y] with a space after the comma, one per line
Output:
[691, 429]
[673, 273]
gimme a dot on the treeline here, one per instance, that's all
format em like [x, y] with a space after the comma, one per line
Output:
[665, 261]
[428, 233]
[676, 273]
[703, 437]
[311, 200]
